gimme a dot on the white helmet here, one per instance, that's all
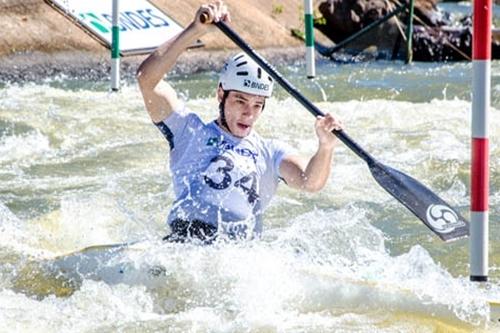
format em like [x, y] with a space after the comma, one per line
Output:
[242, 73]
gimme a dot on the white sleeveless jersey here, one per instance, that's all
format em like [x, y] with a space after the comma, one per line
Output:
[220, 179]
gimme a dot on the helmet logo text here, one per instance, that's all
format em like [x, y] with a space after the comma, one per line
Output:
[255, 85]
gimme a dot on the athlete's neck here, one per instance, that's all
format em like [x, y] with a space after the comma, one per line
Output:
[223, 126]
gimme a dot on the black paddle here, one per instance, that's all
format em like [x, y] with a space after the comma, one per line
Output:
[436, 214]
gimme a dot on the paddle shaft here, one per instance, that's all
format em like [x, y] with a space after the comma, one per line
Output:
[292, 90]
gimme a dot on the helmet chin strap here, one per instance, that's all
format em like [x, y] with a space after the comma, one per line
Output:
[222, 114]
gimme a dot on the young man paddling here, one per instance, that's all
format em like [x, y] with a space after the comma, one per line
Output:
[224, 173]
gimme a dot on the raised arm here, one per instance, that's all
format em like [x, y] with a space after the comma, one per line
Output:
[159, 96]
[311, 176]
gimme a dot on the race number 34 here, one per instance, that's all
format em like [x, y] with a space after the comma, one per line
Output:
[220, 178]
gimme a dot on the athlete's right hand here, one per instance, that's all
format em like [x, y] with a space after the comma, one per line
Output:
[214, 11]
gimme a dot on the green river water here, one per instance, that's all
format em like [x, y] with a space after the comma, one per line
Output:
[80, 166]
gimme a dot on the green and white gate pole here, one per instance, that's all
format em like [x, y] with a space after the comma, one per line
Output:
[115, 48]
[309, 30]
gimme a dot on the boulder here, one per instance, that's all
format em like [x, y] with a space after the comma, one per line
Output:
[434, 39]
[344, 18]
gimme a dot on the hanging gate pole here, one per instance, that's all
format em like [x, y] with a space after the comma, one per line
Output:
[309, 30]
[481, 54]
[409, 33]
[115, 48]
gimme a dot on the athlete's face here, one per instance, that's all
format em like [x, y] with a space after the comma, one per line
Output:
[241, 111]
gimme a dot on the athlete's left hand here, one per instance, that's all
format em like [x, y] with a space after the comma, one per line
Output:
[324, 127]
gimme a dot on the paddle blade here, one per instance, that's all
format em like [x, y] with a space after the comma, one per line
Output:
[436, 214]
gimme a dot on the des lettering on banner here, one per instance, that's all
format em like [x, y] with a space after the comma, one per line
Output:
[142, 25]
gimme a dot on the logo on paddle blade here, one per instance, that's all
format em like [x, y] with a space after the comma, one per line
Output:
[443, 219]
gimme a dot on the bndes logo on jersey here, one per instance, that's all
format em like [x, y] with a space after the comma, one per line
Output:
[255, 85]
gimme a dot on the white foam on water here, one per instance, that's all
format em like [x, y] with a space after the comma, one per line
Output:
[284, 284]
[322, 263]
[83, 221]
[94, 305]
[14, 237]
[321, 266]
[27, 146]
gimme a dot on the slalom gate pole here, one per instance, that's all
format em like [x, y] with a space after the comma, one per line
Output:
[309, 31]
[409, 33]
[115, 48]
[481, 54]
